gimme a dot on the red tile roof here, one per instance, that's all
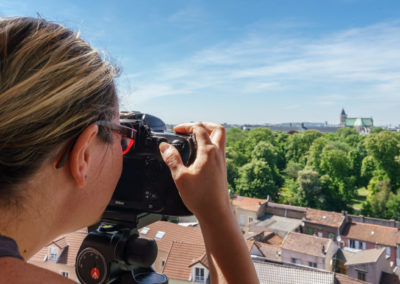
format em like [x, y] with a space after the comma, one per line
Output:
[327, 218]
[248, 203]
[180, 258]
[272, 239]
[69, 245]
[173, 232]
[306, 244]
[372, 233]
[344, 279]
[202, 259]
[286, 206]
[269, 252]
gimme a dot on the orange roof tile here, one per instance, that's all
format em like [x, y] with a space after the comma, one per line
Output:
[344, 279]
[60, 242]
[202, 259]
[180, 257]
[327, 218]
[286, 206]
[306, 244]
[249, 244]
[173, 232]
[247, 203]
[69, 244]
[272, 239]
[269, 252]
[372, 233]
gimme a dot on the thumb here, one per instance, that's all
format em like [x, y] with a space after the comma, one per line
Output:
[171, 157]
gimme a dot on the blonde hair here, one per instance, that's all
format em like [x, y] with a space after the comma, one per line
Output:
[52, 86]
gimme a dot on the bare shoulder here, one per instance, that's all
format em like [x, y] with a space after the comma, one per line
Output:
[15, 271]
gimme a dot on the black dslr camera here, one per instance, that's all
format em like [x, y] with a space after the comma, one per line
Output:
[114, 253]
[146, 184]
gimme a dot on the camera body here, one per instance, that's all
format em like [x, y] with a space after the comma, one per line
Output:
[146, 184]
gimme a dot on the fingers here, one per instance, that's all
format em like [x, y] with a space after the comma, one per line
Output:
[206, 133]
[171, 157]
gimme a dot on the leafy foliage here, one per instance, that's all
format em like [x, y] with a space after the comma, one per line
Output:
[317, 170]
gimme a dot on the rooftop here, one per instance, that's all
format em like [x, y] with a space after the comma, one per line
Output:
[286, 206]
[180, 257]
[165, 233]
[270, 252]
[285, 273]
[364, 256]
[327, 218]
[68, 244]
[277, 223]
[247, 203]
[344, 279]
[372, 233]
[306, 244]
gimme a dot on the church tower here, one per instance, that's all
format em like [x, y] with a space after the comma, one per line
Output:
[343, 117]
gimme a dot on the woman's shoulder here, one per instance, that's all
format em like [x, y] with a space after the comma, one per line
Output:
[15, 271]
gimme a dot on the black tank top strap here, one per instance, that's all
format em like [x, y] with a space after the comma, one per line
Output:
[9, 248]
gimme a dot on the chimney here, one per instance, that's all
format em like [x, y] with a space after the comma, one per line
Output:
[323, 249]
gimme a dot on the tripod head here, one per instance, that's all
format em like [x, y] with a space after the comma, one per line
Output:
[114, 253]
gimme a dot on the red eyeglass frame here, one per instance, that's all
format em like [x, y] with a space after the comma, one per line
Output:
[120, 129]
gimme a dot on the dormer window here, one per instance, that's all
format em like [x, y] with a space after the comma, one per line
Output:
[199, 275]
[53, 253]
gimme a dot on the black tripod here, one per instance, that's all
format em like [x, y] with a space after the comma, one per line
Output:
[114, 254]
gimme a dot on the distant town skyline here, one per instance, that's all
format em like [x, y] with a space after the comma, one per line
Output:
[243, 62]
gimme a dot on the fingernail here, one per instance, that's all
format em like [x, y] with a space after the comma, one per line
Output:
[164, 147]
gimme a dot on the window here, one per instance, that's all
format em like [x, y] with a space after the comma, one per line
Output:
[388, 251]
[320, 234]
[65, 274]
[357, 244]
[296, 260]
[331, 236]
[310, 231]
[312, 264]
[363, 245]
[160, 235]
[53, 254]
[242, 220]
[361, 275]
[199, 274]
[163, 263]
[250, 220]
[351, 244]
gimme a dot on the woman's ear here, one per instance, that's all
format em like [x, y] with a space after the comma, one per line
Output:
[81, 154]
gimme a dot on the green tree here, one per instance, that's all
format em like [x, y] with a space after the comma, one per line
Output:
[232, 173]
[256, 179]
[309, 191]
[298, 145]
[265, 151]
[384, 147]
[382, 203]
[292, 169]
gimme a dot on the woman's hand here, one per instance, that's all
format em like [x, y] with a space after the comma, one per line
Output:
[202, 185]
[204, 190]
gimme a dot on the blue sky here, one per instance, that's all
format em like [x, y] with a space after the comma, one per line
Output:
[243, 61]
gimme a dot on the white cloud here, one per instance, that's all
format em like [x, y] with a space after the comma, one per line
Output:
[362, 63]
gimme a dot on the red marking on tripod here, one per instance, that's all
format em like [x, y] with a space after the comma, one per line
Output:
[95, 273]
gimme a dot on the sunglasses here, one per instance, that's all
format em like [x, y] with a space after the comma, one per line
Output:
[128, 137]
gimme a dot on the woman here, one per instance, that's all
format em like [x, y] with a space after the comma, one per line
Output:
[61, 154]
